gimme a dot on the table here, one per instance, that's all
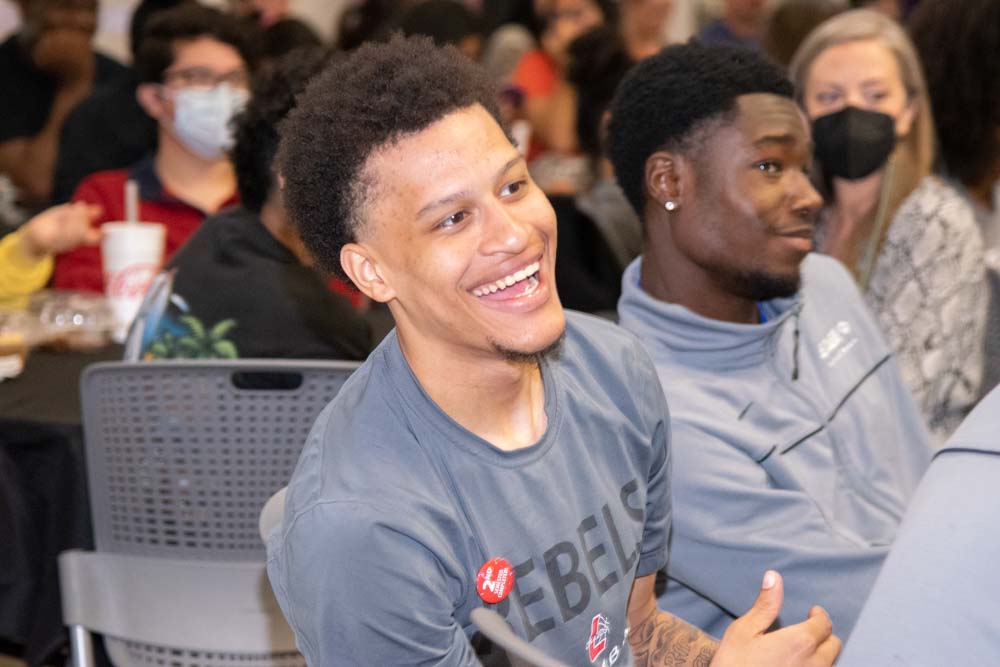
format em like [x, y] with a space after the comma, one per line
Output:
[48, 391]
[43, 494]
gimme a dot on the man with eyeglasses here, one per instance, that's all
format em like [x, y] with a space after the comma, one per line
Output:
[194, 71]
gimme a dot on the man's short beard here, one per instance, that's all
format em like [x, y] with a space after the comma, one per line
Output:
[760, 286]
[550, 351]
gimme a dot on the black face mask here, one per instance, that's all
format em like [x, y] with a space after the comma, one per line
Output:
[852, 143]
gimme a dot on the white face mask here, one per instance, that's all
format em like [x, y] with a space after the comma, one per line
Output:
[201, 118]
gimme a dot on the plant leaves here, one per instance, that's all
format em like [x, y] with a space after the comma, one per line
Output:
[225, 349]
[194, 325]
[220, 330]
[189, 347]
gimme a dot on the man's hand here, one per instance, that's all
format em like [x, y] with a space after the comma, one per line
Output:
[748, 644]
[60, 229]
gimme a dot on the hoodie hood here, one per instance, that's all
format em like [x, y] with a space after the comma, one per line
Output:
[669, 329]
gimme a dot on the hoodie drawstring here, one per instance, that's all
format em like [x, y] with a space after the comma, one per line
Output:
[795, 345]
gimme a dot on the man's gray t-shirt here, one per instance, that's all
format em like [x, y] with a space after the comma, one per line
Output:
[394, 507]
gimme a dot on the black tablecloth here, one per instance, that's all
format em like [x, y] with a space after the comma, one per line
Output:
[48, 391]
[43, 495]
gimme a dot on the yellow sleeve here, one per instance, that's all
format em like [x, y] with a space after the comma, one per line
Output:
[20, 275]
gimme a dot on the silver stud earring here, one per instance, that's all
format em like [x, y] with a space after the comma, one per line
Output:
[671, 206]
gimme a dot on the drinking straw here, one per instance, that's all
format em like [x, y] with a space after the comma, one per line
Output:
[131, 201]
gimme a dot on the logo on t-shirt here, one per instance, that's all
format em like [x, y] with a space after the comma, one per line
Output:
[600, 628]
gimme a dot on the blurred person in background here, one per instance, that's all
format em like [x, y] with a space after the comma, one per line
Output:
[369, 20]
[643, 25]
[247, 283]
[545, 97]
[890, 8]
[284, 36]
[46, 69]
[549, 102]
[109, 129]
[497, 13]
[262, 12]
[741, 24]
[599, 232]
[511, 28]
[194, 70]
[909, 237]
[791, 21]
[959, 41]
[446, 22]
[26, 254]
[280, 32]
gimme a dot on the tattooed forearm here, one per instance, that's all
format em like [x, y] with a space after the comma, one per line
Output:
[663, 640]
[705, 655]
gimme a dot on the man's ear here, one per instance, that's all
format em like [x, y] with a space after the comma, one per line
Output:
[150, 98]
[362, 267]
[666, 179]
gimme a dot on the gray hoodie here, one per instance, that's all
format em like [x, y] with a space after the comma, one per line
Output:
[935, 601]
[796, 447]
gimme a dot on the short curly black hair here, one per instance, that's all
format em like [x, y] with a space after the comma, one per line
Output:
[368, 100]
[959, 44]
[666, 99]
[189, 21]
[255, 129]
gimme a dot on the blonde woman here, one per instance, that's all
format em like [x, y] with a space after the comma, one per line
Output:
[909, 237]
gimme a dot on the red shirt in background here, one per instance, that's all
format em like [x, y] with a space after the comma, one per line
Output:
[81, 269]
[536, 74]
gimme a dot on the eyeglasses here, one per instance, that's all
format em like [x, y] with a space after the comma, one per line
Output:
[205, 77]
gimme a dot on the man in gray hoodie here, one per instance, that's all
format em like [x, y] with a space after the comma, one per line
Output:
[796, 444]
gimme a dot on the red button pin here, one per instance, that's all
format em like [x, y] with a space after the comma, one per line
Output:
[495, 580]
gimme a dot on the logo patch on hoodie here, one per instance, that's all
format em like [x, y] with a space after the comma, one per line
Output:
[837, 342]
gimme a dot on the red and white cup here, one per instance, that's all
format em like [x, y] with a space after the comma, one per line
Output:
[131, 253]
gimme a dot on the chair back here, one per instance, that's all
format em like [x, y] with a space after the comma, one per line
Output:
[182, 456]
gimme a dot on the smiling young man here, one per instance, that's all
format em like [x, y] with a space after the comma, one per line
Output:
[493, 450]
[796, 444]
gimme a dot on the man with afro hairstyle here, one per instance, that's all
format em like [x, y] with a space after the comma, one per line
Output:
[493, 450]
[796, 444]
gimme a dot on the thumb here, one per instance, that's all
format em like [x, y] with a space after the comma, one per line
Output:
[767, 605]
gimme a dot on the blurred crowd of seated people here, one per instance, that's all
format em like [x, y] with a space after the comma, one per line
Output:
[903, 122]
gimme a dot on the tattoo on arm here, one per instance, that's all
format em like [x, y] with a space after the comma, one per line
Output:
[663, 640]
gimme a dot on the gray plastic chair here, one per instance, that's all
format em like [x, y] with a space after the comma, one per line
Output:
[181, 458]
